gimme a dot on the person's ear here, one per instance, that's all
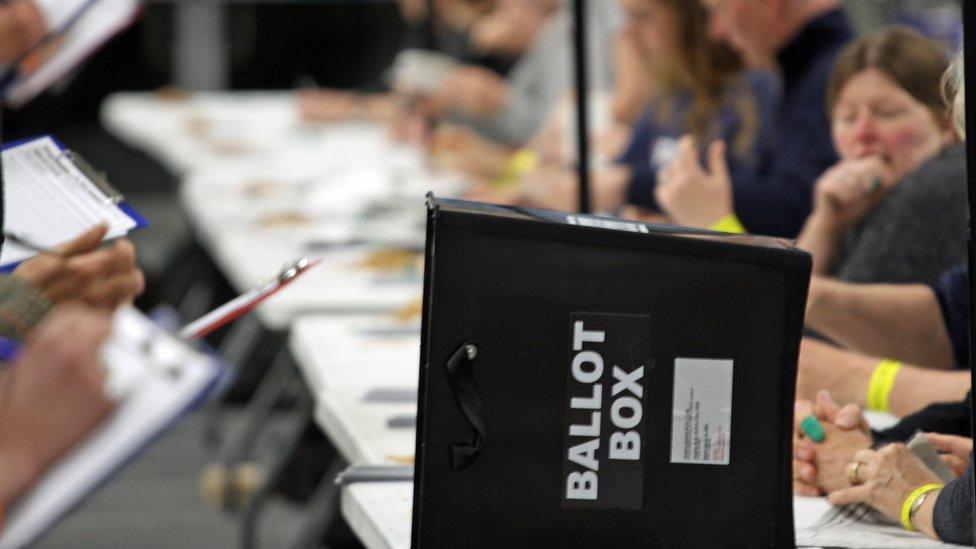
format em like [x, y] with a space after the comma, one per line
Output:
[948, 131]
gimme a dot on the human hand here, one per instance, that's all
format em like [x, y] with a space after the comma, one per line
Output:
[509, 29]
[22, 26]
[475, 90]
[689, 194]
[550, 188]
[956, 450]
[820, 468]
[102, 278]
[884, 479]
[52, 395]
[327, 105]
[846, 192]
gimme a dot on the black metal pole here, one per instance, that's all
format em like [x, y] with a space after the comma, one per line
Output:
[969, 56]
[582, 91]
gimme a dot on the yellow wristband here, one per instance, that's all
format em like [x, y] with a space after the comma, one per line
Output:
[906, 506]
[728, 224]
[881, 384]
[520, 163]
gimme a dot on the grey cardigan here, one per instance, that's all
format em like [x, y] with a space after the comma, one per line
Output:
[917, 232]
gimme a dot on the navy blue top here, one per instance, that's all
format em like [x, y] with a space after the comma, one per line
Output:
[778, 202]
[654, 140]
[952, 291]
[775, 195]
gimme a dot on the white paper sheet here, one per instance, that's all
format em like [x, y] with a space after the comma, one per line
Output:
[859, 527]
[49, 201]
[155, 378]
[99, 21]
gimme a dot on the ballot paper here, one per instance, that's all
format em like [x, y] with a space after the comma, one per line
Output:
[155, 378]
[860, 527]
[77, 29]
[50, 199]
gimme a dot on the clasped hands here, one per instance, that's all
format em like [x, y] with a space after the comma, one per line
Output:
[845, 467]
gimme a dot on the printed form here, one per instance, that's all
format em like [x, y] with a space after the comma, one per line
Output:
[49, 201]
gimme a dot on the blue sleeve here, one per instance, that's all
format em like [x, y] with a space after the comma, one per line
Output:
[952, 516]
[639, 148]
[777, 199]
[640, 190]
[952, 293]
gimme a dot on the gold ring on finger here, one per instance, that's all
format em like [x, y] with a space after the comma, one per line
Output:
[853, 476]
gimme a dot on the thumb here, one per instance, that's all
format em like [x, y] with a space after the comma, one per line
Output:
[801, 409]
[86, 241]
[826, 407]
[716, 160]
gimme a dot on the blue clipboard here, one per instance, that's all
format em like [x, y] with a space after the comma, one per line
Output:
[91, 174]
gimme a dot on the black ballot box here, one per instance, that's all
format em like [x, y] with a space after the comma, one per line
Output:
[593, 382]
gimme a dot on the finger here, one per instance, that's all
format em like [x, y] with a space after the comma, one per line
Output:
[849, 417]
[686, 156]
[804, 449]
[801, 488]
[847, 496]
[801, 409]
[119, 289]
[826, 407]
[958, 446]
[954, 463]
[865, 456]
[716, 160]
[804, 471]
[86, 241]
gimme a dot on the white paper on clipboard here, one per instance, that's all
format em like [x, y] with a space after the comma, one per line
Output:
[155, 378]
[50, 201]
[77, 29]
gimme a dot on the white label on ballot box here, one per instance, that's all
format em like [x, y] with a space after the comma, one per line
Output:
[701, 417]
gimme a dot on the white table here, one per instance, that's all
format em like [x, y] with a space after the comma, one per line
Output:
[381, 513]
[205, 129]
[263, 187]
[361, 381]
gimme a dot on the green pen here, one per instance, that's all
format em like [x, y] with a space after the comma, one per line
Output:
[875, 184]
[811, 428]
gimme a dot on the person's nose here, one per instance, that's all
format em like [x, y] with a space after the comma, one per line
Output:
[865, 132]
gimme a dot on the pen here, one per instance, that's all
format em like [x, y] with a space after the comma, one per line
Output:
[811, 428]
[24, 241]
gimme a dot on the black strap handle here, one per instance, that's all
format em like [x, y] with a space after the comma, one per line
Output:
[460, 375]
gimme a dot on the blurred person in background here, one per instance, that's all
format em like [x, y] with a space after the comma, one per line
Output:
[801, 39]
[22, 26]
[856, 465]
[921, 331]
[893, 208]
[899, 177]
[686, 83]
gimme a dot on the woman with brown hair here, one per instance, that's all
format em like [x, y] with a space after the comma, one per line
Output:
[894, 208]
[702, 90]
[697, 86]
